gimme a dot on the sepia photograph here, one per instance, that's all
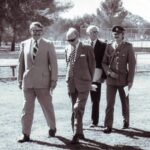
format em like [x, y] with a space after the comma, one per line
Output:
[74, 75]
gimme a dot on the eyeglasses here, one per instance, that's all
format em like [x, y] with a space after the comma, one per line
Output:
[71, 40]
[37, 30]
[94, 31]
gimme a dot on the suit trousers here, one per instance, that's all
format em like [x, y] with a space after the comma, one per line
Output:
[45, 100]
[111, 95]
[95, 99]
[78, 100]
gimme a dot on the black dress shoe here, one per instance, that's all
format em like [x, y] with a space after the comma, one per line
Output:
[24, 138]
[125, 125]
[75, 139]
[52, 132]
[107, 130]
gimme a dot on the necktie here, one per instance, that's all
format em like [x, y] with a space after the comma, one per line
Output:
[116, 45]
[72, 59]
[35, 48]
[92, 43]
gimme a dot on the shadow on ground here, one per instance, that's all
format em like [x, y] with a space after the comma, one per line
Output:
[133, 133]
[86, 144]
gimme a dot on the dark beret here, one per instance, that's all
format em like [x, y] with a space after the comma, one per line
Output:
[118, 29]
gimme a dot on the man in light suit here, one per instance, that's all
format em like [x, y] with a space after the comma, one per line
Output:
[80, 70]
[99, 75]
[37, 76]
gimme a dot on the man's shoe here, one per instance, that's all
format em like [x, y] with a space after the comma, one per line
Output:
[125, 125]
[107, 130]
[93, 125]
[24, 138]
[52, 132]
[75, 139]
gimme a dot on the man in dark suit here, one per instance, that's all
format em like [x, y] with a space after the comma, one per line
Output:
[37, 76]
[119, 65]
[99, 75]
[80, 70]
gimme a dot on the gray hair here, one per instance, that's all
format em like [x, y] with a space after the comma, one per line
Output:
[36, 24]
[92, 28]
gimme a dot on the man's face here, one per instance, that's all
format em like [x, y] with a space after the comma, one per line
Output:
[72, 39]
[93, 35]
[117, 35]
[36, 32]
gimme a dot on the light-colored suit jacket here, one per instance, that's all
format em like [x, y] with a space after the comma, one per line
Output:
[84, 67]
[38, 73]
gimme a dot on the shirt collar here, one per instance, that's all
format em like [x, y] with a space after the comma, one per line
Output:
[77, 45]
[38, 41]
[94, 42]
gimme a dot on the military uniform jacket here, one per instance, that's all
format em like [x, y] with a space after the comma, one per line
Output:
[121, 61]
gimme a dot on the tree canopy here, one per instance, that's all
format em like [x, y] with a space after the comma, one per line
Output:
[18, 14]
[111, 12]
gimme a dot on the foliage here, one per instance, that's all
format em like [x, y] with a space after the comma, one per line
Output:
[111, 12]
[20, 13]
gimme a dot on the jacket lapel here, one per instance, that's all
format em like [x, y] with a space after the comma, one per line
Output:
[40, 47]
[28, 48]
[79, 51]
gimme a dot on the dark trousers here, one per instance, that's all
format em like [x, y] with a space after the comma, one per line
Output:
[111, 95]
[78, 100]
[95, 99]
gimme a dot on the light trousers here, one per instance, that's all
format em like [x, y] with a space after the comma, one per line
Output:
[45, 100]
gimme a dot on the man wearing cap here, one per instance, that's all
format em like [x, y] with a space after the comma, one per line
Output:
[99, 75]
[80, 70]
[119, 65]
[37, 76]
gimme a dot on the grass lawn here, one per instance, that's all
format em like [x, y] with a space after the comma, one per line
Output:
[135, 138]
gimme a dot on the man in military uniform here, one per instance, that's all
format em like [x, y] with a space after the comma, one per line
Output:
[119, 65]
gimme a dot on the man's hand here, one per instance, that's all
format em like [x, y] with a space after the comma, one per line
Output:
[93, 87]
[53, 85]
[130, 85]
[114, 75]
[20, 85]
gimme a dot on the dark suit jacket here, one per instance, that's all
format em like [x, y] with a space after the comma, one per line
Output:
[84, 67]
[99, 51]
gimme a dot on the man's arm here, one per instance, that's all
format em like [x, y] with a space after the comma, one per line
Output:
[53, 66]
[91, 61]
[131, 66]
[105, 63]
[21, 65]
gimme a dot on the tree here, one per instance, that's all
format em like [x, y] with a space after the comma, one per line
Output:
[111, 12]
[2, 16]
[20, 13]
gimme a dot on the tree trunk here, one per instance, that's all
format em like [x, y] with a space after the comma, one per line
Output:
[0, 38]
[13, 40]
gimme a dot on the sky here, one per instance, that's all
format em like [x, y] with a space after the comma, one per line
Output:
[81, 7]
